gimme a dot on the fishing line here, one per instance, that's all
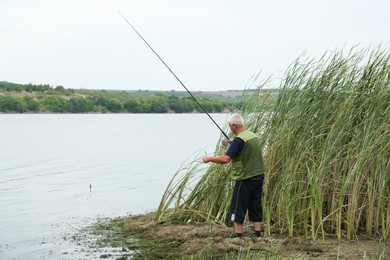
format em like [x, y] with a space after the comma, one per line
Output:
[174, 75]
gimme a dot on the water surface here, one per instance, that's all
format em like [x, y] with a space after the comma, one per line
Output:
[61, 172]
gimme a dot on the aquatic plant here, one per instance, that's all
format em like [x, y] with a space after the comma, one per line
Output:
[326, 138]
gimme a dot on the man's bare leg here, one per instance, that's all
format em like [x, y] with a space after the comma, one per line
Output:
[237, 228]
[257, 227]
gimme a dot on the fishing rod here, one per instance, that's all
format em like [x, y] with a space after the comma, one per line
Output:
[174, 75]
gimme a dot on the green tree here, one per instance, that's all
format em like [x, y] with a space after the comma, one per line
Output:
[54, 104]
[133, 105]
[37, 88]
[218, 105]
[7, 86]
[159, 104]
[80, 105]
[188, 104]
[206, 104]
[146, 105]
[12, 104]
[113, 105]
[60, 89]
[175, 104]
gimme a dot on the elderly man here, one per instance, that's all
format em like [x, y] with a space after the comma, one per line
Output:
[248, 171]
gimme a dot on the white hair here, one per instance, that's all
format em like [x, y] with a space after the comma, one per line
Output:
[236, 119]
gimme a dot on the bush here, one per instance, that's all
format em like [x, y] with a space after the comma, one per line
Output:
[32, 104]
[80, 105]
[113, 105]
[55, 104]
[133, 105]
[12, 104]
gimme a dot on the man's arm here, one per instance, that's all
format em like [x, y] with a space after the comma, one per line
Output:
[217, 159]
[234, 149]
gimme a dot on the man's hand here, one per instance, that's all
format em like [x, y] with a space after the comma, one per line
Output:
[207, 159]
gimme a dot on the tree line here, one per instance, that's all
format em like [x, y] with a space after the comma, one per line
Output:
[19, 98]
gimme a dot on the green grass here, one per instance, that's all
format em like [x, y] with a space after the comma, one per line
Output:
[326, 138]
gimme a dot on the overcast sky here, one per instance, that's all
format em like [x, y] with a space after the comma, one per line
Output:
[210, 45]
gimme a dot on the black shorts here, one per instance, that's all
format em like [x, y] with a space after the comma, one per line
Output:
[247, 196]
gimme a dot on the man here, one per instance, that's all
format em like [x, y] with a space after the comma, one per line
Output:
[248, 171]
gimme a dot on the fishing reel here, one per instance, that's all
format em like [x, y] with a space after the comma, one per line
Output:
[226, 142]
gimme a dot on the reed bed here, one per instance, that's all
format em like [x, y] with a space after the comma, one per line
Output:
[326, 138]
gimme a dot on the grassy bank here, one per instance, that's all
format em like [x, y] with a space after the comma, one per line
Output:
[139, 237]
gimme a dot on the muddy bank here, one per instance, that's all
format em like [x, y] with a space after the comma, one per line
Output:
[138, 237]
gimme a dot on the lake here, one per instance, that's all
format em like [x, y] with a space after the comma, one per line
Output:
[61, 172]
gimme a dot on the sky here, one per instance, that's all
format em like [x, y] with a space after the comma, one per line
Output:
[211, 45]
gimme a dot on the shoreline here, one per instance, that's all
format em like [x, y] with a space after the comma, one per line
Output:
[139, 237]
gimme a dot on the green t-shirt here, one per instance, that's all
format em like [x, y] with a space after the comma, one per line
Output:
[249, 162]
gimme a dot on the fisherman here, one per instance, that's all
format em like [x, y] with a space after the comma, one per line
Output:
[245, 153]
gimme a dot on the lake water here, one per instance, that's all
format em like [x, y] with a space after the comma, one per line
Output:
[59, 173]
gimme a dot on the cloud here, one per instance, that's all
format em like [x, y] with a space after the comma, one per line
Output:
[211, 44]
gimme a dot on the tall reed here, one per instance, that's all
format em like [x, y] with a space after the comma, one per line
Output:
[326, 138]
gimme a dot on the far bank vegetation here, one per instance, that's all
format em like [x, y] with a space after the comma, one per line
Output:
[29, 98]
